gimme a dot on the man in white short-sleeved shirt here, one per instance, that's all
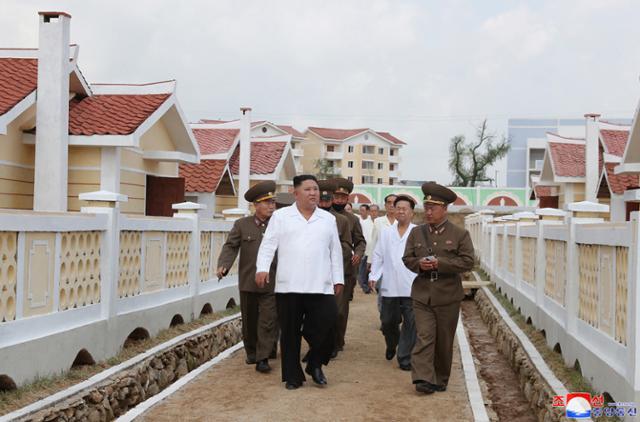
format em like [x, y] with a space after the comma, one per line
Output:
[308, 275]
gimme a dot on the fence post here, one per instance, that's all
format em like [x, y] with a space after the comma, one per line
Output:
[189, 210]
[104, 202]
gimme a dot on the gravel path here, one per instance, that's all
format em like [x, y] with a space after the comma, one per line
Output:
[362, 386]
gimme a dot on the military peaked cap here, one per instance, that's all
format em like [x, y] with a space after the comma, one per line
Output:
[342, 185]
[437, 194]
[262, 191]
[284, 199]
[327, 187]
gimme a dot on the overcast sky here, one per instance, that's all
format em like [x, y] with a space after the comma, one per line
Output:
[423, 70]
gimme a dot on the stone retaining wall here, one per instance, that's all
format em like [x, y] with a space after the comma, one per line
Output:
[126, 389]
[535, 389]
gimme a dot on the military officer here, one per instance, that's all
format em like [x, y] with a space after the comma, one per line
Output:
[257, 304]
[327, 188]
[438, 251]
[343, 188]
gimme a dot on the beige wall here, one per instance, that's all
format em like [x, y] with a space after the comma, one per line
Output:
[83, 176]
[16, 166]
[157, 138]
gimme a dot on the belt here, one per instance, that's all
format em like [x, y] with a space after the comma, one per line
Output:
[427, 275]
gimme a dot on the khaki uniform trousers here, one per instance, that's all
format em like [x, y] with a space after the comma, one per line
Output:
[433, 352]
[259, 324]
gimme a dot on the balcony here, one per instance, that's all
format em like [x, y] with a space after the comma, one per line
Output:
[333, 155]
[394, 173]
[394, 158]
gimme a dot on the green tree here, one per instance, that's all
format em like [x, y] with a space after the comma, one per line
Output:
[469, 162]
[325, 169]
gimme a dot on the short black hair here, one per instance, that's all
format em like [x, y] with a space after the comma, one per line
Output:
[365, 205]
[405, 198]
[297, 180]
[389, 196]
[375, 205]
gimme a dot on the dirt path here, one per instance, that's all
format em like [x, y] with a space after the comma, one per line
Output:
[507, 400]
[362, 386]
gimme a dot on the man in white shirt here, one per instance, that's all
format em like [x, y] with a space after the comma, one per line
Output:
[395, 289]
[308, 276]
[367, 230]
[378, 225]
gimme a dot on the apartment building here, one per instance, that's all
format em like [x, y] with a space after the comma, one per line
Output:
[364, 156]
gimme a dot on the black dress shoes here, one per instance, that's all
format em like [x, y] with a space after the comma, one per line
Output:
[424, 387]
[305, 358]
[317, 375]
[334, 354]
[263, 366]
[389, 354]
[292, 385]
[250, 361]
[405, 367]
[439, 388]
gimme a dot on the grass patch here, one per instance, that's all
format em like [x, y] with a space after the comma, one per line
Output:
[570, 377]
[41, 388]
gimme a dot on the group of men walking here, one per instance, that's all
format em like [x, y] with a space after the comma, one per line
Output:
[299, 266]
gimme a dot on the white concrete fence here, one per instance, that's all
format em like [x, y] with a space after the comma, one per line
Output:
[575, 276]
[76, 286]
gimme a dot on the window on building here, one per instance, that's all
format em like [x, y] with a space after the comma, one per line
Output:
[367, 165]
[350, 149]
[392, 167]
[264, 129]
[367, 180]
[369, 149]
[392, 152]
[390, 181]
[330, 148]
[350, 178]
[379, 180]
[381, 151]
[380, 166]
[350, 164]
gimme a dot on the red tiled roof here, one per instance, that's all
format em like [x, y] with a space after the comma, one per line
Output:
[215, 141]
[615, 141]
[337, 134]
[203, 177]
[111, 114]
[291, 131]
[389, 137]
[541, 190]
[618, 183]
[265, 157]
[568, 159]
[18, 78]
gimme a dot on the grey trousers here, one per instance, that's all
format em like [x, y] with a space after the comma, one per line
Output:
[396, 311]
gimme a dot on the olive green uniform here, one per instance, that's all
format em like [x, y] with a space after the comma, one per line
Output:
[358, 246]
[436, 304]
[257, 305]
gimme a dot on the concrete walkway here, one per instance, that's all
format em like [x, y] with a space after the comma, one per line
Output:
[362, 386]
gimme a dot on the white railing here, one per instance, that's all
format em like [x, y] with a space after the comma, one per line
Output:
[574, 277]
[86, 280]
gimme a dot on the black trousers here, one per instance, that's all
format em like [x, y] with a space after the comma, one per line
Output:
[318, 313]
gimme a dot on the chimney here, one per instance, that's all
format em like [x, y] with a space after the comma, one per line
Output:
[592, 171]
[52, 113]
[245, 156]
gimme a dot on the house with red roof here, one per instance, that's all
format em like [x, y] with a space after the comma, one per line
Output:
[613, 185]
[363, 155]
[63, 136]
[562, 179]
[217, 186]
